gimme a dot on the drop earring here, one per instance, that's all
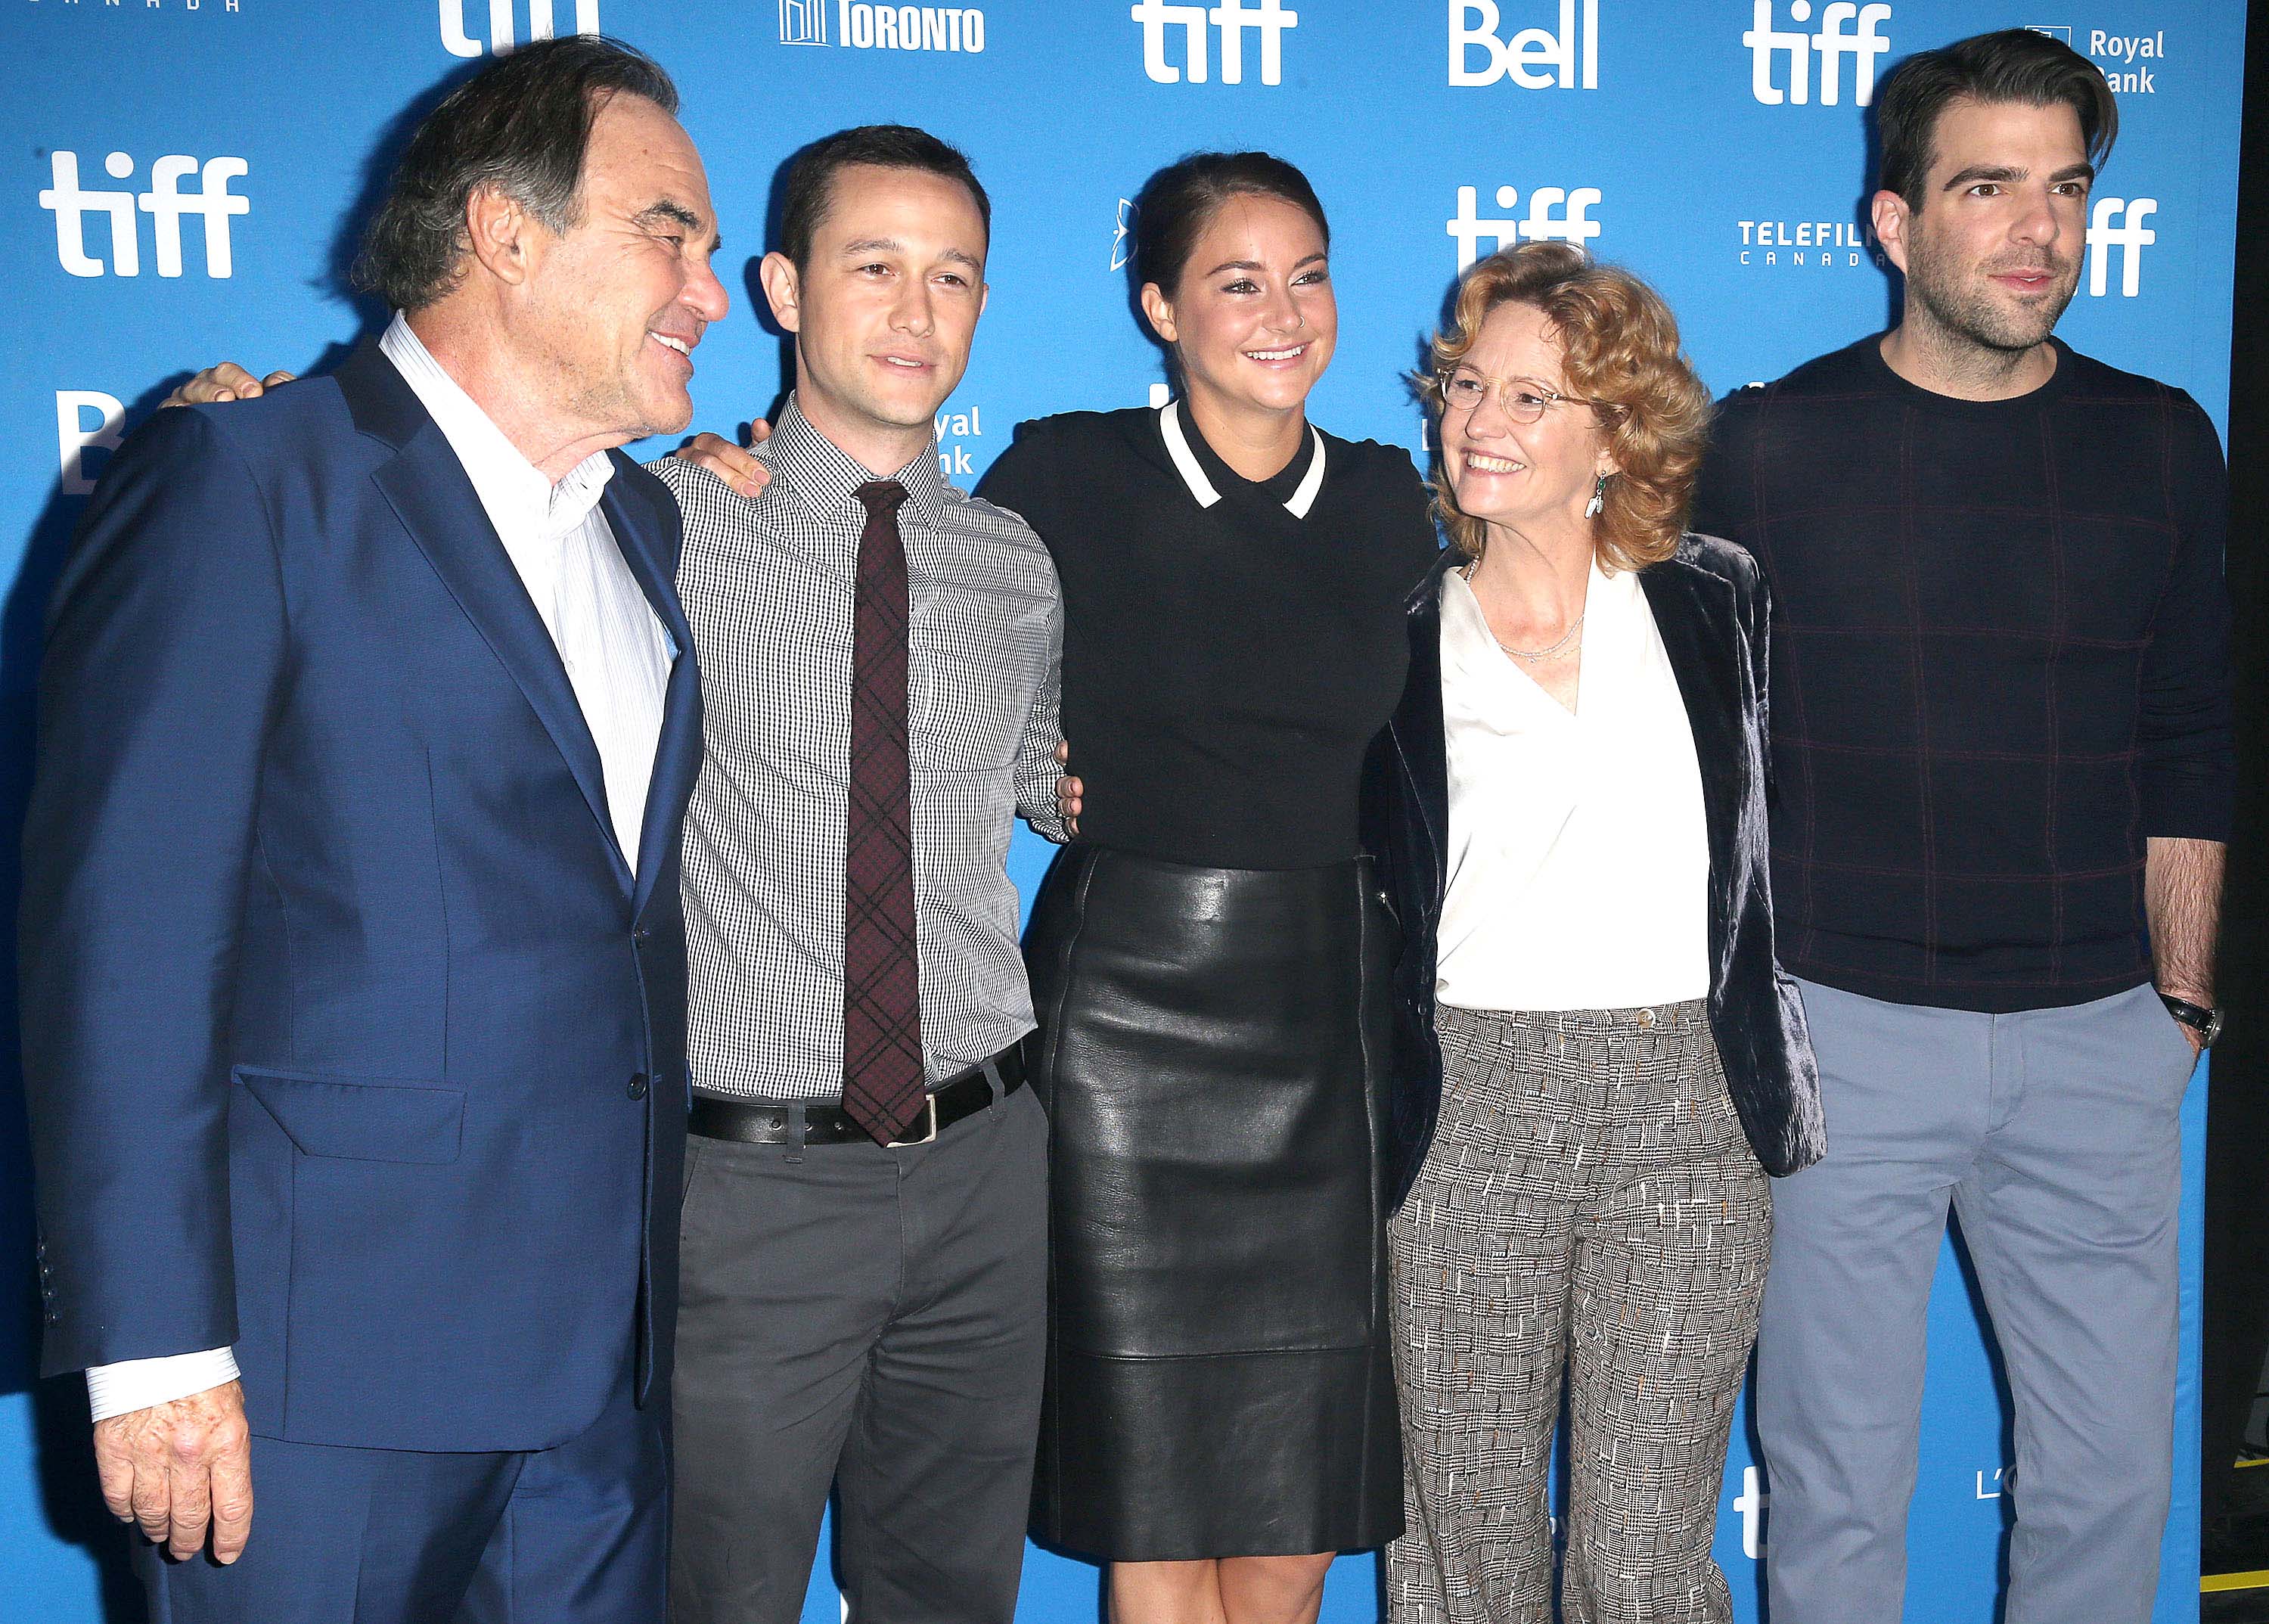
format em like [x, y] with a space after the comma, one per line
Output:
[1598, 497]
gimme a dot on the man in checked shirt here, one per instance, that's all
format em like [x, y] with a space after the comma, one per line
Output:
[863, 1271]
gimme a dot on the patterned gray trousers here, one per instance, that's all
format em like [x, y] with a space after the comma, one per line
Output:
[1589, 1205]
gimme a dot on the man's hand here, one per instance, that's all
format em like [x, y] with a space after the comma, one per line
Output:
[228, 381]
[1068, 790]
[729, 462]
[181, 1470]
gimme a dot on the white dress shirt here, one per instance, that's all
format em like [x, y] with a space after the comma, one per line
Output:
[617, 652]
[1579, 859]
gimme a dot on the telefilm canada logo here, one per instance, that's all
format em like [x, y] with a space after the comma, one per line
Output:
[460, 19]
[1808, 245]
[1534, 58]
[863, 27]
[1782, 60]
[165, 202]
[1560, 214]
[1178, 40]
[208, 7]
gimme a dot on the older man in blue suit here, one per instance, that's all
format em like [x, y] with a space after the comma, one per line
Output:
[353, 968]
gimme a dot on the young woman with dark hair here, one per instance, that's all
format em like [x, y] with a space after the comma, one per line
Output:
[1208, 958]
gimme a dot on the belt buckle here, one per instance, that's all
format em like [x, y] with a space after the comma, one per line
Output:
[929, 1108]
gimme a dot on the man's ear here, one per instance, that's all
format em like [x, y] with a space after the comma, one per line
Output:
[1889, 215]
[499, 232]
[1160, 312]
[783, 289]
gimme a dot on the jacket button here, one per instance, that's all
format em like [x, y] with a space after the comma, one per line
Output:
[642, 935]
[638, 1087]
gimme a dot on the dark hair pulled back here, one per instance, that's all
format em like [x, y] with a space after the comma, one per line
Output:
[1180, 201]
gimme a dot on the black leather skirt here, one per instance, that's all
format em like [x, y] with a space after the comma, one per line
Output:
[1212, 1054]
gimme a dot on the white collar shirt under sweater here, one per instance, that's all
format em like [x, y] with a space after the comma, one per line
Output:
[1579, 859]
[616, 649]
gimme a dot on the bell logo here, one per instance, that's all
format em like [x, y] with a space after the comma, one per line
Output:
[2130, 236]
[1267, 18]
[1534, 58]
[74, 436]
[1832, 42]
[1122, 236]
[1553, 213]
[165, 202]
[502, 37]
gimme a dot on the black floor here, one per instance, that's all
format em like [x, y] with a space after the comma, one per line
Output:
[2238, 1542]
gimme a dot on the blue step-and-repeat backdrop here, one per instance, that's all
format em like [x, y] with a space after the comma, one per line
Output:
[179, 178]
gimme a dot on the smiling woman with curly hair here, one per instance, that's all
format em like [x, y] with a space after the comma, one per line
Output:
[1598, 1060]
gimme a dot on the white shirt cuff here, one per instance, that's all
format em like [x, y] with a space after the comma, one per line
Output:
[136, 1384]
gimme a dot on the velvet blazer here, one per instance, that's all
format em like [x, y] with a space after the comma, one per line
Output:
[1710, 607]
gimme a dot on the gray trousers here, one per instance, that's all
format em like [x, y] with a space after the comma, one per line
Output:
[1589, 1205]
[872, 1319]
[2055, 1135]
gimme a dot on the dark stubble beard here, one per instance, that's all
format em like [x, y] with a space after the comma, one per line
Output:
[1953, 295]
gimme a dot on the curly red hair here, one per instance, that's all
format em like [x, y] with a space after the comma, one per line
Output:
[1620, 347]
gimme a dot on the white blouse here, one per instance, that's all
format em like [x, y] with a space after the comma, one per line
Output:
[1579, 859]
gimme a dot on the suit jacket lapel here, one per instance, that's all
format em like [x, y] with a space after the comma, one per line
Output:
[1416, 723]
[643, 536]
[435, 501]
[1694, 612]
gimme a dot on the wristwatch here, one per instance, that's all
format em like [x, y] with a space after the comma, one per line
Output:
[2206, 1023]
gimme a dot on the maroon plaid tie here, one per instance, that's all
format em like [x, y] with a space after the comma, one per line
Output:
[882, 972]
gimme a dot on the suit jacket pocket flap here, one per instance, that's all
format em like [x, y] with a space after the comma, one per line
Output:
[364, 1119]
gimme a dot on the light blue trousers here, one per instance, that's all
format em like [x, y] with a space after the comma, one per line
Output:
[2055, 1135]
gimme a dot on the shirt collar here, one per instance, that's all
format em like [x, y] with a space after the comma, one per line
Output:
[520, 501]
[1192, 468]
[826, 478]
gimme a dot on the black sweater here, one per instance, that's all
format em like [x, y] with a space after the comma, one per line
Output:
[2000, 663]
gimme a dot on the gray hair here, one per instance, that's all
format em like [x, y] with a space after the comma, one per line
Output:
[522, 126]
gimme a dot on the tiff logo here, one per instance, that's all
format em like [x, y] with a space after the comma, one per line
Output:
[1832, 42]
[2130, 236]
[164, 202]
[1553, 212]
[1534, 58]
[1267, 18]
[501, 36]
[74, 436]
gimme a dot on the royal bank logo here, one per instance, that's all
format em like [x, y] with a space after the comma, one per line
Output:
[954, 430]
[165, 202]
[85, 420]
[1122, 236]
[1534, 58]
[1556, 213]
[1807, 244]
[2135, 58]
[1845, 29]
[864, 28]
[1176, 39]
[2116, 229]
[504, 32]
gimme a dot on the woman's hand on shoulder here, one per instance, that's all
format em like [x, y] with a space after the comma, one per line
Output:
[1069, 791]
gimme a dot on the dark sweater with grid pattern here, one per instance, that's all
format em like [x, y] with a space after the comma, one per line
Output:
[2000, 663]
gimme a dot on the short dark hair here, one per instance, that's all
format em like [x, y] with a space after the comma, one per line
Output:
[1180, 201]
[811, 173]
[522, 125]
[2013, 65]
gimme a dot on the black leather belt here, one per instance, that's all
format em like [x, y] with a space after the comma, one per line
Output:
[762, 1122]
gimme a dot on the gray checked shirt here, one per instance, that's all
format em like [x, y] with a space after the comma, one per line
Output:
[768, 587]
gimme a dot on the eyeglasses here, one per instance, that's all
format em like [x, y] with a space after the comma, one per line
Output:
[1521, 399]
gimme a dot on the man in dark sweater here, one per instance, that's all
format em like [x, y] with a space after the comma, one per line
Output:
[2001, 743]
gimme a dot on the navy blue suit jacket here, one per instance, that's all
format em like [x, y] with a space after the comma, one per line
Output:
[350, 1039]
